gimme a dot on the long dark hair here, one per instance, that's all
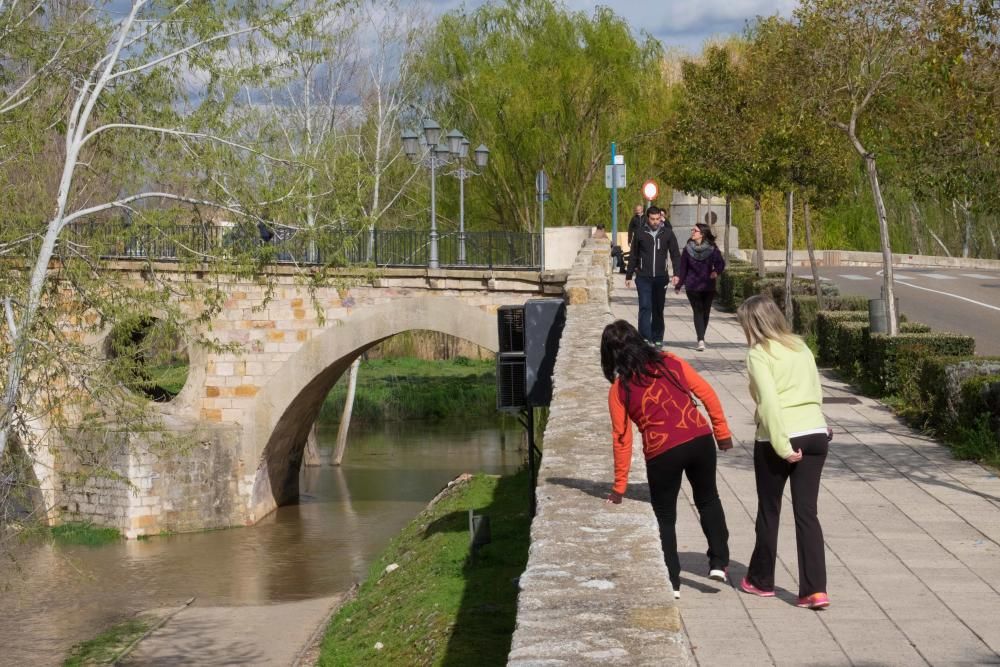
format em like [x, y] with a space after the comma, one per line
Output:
[624, 353]
[706, 233]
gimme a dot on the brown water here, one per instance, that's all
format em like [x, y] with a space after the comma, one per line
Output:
[56, 596]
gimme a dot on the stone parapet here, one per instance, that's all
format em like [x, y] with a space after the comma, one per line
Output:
[595, 590]
[776, 258]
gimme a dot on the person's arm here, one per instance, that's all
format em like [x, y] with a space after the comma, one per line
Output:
[768, 407]
[719, 263]
[621, 442]
[703, 390]
[634, 250]
[675, 255]
[681, 272]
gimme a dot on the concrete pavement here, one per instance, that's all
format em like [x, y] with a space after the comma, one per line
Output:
[913, 536]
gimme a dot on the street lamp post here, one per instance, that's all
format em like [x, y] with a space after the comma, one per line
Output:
[436, 154]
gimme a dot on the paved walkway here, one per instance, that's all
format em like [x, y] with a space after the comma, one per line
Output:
[248, 635]
[913, 536]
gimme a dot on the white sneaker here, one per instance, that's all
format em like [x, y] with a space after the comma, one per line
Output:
[717, 575]
[677, 595]
[701, 346]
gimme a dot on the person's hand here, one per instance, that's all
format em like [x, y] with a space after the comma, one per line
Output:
[794, 457]
[675, 281]
[628, 283]
[725, 444]
[613, 498]
[713, 275]
[829, 434]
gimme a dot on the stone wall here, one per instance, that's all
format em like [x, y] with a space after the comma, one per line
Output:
[595, 590]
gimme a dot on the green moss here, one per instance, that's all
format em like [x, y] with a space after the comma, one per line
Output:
[441, 606]
[106, 647]
[84, 533]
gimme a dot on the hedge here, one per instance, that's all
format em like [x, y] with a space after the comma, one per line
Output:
[827, 322]
[851, 336]
[940, 382]
[893, 361]
[731, 285]
[804, 310]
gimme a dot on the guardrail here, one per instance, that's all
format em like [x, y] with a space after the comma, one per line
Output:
[117, 240]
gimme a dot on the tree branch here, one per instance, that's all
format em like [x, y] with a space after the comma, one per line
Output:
[183, 133]
[11, 323]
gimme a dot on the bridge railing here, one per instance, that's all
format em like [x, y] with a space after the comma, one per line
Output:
[119, 240]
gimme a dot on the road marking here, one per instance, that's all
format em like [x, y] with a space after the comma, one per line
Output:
[902, 276]
[939, 276]
[852, 276]
[980, 276]
[954, 296]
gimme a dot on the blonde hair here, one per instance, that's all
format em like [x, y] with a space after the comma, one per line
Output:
[764, 323]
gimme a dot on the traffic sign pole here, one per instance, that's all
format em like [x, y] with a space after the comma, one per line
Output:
[614, 197]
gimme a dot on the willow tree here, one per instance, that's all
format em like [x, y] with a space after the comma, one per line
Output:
[851, 55]
[544, 87]
[138, 134]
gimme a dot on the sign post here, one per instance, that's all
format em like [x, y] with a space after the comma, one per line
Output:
[614, 178]
[650, 192]
[542, 190]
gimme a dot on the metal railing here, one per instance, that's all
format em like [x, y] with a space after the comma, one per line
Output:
[117, 240]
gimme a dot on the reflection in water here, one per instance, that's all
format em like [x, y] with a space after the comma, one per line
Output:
[57, 596]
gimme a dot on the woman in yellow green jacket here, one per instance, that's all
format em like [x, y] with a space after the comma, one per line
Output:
[791, 443]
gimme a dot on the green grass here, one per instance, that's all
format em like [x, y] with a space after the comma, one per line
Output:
[169, 379]
[414, 389]
[84, 533]
[103, 649]
[441, 607]
[977, 442]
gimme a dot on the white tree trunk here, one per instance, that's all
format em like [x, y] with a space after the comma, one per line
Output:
[311, 455]
[345, 418]
[758, 231]
[967, 237]
[729, 222]
[789, 248]
[888, 287]
[817, 284]
[918, 238]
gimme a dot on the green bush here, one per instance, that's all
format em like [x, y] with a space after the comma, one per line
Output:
[827, 322]
[804, 310]
[893, 361]
[941, 378]
[852, 337]
[980, 395]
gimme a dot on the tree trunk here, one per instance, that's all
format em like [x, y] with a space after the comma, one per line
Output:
[311, 455]
[888, 290]
[918, 238]
[789, 248]
[812, 256]
[993, 241]
[697, 214]
[758, 230]
[725, 237]
[708, 216]
[345, 418]
[967, 239]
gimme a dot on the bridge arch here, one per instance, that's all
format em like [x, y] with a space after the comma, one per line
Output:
[287, 406]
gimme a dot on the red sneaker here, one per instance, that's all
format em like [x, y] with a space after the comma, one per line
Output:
[747, 587]
[814, 601]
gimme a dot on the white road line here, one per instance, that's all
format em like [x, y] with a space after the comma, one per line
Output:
[939, 276]
[851, 276]
[980, 276]
[954, 296]
[902, 276]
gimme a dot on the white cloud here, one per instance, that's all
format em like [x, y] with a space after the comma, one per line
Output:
[676, 23]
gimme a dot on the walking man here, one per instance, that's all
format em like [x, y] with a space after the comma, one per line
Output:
[647, 262]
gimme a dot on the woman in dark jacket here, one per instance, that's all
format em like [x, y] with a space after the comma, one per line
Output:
[701, 263]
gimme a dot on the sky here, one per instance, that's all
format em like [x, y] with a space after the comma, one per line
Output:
[683, 24]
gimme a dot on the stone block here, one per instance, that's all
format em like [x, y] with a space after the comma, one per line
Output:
[211, 391]
[246, 390]
[224, 368]
[275, 336]
[212, 415]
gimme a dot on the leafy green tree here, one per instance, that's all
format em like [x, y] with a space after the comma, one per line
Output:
[545, 87]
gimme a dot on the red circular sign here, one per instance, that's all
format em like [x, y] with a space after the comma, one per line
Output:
[649, 190]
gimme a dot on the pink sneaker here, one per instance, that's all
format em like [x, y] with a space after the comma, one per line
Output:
[814, 601]
[747, 587]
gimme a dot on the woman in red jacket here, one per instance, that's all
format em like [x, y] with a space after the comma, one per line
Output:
[654, 390]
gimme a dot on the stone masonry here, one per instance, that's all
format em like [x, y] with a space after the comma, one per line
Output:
[595, 590]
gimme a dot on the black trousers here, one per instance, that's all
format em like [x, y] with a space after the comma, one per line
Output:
[772, 471]
[701, 305]
[696, 459]
[652, 293]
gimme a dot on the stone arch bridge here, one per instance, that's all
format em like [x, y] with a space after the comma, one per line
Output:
[250, 412]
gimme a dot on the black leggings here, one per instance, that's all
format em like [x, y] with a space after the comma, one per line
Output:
[701, 305]
[772, 471]
[696, 459]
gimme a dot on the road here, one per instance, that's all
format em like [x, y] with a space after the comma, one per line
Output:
[958, 300]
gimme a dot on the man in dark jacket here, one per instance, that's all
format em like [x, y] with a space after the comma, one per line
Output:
[635, 224]
[647, 261]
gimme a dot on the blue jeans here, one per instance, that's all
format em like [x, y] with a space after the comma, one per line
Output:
[652, 295]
